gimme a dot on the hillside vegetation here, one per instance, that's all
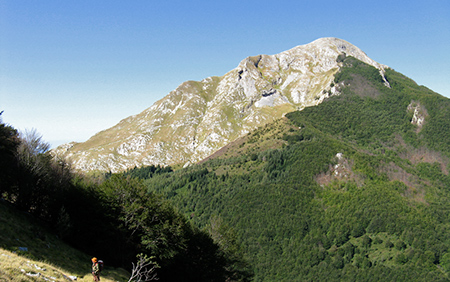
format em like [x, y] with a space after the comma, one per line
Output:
[354, 189]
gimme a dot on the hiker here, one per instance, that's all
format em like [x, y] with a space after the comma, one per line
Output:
[95, 269]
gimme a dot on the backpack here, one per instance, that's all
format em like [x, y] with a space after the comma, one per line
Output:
[100, 265]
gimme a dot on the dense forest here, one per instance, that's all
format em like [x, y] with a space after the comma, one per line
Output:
[354, 189]
[350, 190]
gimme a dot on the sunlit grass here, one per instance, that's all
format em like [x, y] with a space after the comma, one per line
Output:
[27, 247]
[18, 268]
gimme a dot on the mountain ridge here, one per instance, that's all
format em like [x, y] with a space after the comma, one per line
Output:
[199, 117]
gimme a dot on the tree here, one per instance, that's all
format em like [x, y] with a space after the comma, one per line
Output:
[39, 180]
[144, 269]
[33, 163]
[226, 238]
[9, 141]
[150, 220]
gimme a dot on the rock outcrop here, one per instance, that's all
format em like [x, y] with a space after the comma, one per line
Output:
[419, 114]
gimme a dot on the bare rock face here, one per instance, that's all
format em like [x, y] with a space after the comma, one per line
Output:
[200, 117]
[419, 114]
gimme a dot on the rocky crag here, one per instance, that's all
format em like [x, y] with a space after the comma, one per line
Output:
[199, 117]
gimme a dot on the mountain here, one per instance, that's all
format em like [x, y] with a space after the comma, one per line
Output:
[200, 117]
[356, 188]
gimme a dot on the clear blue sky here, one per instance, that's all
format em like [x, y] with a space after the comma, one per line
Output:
[72, 68]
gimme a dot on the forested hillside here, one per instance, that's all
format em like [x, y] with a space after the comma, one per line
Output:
[354, 189]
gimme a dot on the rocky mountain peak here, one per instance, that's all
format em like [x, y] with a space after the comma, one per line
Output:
[200, 117]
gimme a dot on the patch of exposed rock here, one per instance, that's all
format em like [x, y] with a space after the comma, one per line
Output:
[419, 114]
[341, 170]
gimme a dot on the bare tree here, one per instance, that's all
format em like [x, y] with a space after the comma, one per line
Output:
[32, 169]
[41, 180]
[144, 269]
[31, 151]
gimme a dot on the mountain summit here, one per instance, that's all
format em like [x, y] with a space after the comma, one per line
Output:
[199, 117]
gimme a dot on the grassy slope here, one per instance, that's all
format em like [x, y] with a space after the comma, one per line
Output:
[44, 249]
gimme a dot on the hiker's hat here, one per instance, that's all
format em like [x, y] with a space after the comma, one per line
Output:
[94, 259]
